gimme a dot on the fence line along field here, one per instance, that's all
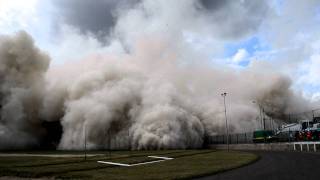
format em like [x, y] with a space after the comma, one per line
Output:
[64, 165]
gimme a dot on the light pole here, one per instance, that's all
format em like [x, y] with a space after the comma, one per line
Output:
[225, 113]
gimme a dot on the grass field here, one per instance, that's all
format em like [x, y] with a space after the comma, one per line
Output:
[186, 164]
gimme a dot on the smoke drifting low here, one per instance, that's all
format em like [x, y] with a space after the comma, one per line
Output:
[159, 95]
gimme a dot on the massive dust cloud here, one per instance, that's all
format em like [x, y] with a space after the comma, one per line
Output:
[157, 94]
[22, 70]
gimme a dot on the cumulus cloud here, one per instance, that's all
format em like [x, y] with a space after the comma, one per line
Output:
[221, 19]
[287, 28]
[235, 19]
[312, 69]
[291, 39]
[96, 16]
[64, 49]
[240, 56]
[15, 14]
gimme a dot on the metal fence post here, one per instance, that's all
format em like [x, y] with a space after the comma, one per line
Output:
[237, 139]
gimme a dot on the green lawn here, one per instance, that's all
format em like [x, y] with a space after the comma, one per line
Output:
[186, 164]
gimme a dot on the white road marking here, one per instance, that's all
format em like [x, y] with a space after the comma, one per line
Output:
[149, 162]
[137, 164]
[112, 163]
[160, 157]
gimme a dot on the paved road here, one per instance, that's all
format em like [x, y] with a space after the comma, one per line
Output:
[276, 165]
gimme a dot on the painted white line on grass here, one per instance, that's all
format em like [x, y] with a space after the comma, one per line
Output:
[149, 162]
[138, 164]
[112, 163]
[160, 157]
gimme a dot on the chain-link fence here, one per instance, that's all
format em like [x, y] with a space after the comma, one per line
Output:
[242, 138]
[278, 129]
[247, 138]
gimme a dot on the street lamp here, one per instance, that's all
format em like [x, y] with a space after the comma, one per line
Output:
[225, 113]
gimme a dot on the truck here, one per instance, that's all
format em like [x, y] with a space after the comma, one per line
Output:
[264, 136]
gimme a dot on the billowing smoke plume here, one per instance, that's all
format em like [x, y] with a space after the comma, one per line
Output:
[159, 94]
[22, 70]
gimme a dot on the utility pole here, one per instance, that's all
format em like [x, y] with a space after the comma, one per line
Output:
[225, 113]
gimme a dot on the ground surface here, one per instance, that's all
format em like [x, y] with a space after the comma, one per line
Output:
[276, 166]
[186, 164]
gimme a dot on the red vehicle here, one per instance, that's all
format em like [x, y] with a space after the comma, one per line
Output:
[304, 130]
[308, 135]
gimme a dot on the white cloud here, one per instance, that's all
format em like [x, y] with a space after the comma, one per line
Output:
[313, 75]
[315, 97]
[311, 69]
[16, 14]
[308, 77]
[240, 56]
[71, 45]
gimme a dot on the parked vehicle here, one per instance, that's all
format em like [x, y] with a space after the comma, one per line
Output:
[262, 136]
[304, 130]
[313, 133]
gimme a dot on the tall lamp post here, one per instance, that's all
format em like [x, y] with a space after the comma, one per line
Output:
[225, 113]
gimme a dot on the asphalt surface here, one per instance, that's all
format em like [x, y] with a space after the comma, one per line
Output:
[276, 166]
